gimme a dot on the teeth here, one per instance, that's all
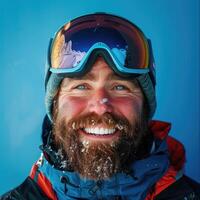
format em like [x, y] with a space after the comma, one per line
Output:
[99, 131]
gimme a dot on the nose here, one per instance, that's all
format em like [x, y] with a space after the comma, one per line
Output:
[100, 102]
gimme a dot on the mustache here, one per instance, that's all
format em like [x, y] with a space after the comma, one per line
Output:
[107, 120]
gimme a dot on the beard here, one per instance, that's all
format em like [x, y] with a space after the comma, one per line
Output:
[98, 160]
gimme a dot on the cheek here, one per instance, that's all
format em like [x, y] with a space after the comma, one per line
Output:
[70, 106]
[129, 107]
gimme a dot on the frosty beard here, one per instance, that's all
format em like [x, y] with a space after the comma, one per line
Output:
[99, 160]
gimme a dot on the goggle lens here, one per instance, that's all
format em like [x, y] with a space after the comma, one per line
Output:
[122, 39]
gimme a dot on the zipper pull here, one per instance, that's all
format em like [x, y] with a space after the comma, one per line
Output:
[64, 181]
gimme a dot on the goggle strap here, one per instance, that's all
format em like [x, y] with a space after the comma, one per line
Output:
[48, 63]
[151, 63]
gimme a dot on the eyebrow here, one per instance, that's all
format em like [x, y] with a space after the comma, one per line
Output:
[88, 76]
[112, 77]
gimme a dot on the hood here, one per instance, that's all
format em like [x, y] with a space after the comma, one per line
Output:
[176, 149]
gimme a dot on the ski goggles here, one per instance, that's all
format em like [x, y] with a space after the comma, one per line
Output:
[122, 41]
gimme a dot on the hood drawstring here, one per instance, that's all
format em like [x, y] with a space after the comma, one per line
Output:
[65, 180]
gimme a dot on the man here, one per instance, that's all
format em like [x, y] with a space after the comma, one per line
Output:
[99, 141]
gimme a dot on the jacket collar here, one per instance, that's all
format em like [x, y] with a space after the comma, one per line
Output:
[159, 129]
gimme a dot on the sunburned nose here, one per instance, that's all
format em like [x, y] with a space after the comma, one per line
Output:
[100, 103]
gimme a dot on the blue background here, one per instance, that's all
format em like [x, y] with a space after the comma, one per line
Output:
[25, 29]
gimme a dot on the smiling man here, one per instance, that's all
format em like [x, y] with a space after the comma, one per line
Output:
[98, 121]
[99, 139]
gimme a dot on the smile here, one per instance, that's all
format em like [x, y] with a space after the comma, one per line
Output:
[100, 131]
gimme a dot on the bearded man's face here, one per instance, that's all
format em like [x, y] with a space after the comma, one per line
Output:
[99, 122]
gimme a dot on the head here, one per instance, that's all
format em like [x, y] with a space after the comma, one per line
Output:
[100, 116]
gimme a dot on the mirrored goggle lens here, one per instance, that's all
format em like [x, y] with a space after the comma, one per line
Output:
[78, 38]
